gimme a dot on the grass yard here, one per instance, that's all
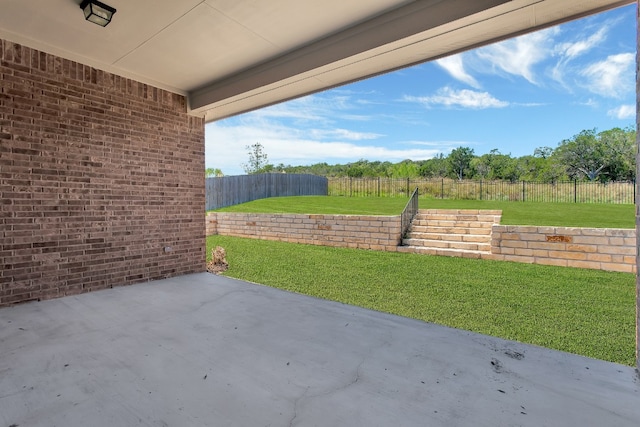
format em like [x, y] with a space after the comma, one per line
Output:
[513, 213]
[588, 312]
[334, 205]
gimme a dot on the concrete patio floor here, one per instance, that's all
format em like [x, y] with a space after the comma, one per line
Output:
[205, 350]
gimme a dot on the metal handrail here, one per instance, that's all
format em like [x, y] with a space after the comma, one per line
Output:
[409, 212]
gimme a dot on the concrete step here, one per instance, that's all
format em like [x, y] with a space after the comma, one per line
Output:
[443, 252]
[461, 211]
[448, 223]
[451, 237]
[471, 229]
[443, 244]
[460, 217]
[451, 232]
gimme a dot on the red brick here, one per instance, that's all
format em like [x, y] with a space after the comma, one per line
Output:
[94, 188]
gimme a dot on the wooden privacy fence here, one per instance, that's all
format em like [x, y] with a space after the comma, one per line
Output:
[232, 190]
[521, 191]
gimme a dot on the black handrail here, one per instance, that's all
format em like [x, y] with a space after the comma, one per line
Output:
[409, 212]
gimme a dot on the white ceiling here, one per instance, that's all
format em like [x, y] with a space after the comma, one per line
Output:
[232, 56]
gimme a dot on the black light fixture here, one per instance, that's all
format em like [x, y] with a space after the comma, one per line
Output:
[97, 12]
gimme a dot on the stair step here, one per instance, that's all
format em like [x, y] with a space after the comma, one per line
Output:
[462, 211]
[451, 237]
[453, 224]
[451, 232]
[443, 244]
[469, 218]
[443, 252]
[431, 228]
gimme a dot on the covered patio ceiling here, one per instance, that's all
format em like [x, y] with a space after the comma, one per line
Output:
[233, 56]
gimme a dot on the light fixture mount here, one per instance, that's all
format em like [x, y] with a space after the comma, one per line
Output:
[97, 12]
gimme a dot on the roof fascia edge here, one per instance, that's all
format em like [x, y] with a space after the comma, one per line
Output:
[397, 24]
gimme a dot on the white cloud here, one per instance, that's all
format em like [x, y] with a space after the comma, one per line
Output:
[623, 112]
[225, 146]
[518, 56]
[569, 51]
[612, 77]
[464, 98]
[440, 144]
[530, 104]
[455, 67]
[589, 103]
[357, 117]
[574, 49]
[311, 108]
[299, 109]
[342, 134]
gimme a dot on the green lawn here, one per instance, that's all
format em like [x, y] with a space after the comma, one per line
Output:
[587, 312]
[323, 205]
[513, 213]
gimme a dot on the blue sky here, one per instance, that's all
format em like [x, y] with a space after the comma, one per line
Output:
[514, 96]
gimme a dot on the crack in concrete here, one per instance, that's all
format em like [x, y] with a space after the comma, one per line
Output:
[295, 407]
[331, 391]
[218, 299]
[354, 380]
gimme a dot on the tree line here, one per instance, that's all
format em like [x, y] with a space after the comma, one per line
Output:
[589, 155]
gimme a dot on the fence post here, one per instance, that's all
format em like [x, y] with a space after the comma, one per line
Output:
[378, 186]
[442, 188]
[480, 189]
[575, 191]
[523, 190]
[633, 181]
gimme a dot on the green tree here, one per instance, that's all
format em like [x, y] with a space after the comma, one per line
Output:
[436, 167]
[543, 152]
[493, 165]
[257, 159]
[513, 170]
[608, 155]
[583, 155]
[460, 162]
[212, 172]
[481, 167]
[355, 170]
[543, 166]
[404, 169]
[621, 144]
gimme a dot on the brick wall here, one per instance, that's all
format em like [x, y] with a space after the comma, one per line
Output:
[98, 174]
[349, 231]
[596, 248]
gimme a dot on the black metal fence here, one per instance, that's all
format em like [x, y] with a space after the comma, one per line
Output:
[566, 191]
[409, 212]
[232, 190]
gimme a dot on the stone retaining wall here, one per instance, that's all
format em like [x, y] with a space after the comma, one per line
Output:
[350, 231]
[595, 248]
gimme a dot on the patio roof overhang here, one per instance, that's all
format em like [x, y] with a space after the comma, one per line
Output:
[233, 56]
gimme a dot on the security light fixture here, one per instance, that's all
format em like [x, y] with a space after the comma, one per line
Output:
[96, 12]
